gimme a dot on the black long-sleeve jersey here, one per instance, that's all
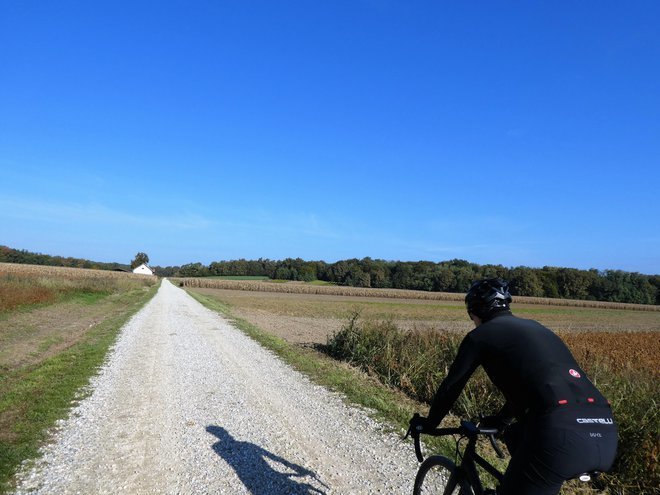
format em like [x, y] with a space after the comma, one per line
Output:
[526, 361]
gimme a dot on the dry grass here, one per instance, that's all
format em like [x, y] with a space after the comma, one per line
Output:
[14, 294]
[619, 351]
[22, 285]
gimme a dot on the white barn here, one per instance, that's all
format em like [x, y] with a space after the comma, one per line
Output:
[143, 270]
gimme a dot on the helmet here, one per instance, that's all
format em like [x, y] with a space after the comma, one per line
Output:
[487, 296]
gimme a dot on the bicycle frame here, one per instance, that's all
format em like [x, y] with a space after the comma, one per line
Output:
[470, 460]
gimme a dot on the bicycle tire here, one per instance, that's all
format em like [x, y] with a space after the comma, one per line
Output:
[438, 475]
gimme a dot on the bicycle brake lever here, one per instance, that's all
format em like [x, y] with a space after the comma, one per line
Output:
[418, 449]
[410, 431]
[498, 451]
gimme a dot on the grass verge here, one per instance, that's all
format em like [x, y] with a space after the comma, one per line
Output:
[34, 397]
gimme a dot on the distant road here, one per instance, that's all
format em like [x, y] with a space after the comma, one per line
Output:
[189, 405]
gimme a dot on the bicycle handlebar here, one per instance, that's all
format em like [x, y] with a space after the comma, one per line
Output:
[473, 429]
[467, 428]
[438, 432]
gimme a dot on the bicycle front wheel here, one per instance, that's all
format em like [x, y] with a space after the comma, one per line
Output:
[438, 475]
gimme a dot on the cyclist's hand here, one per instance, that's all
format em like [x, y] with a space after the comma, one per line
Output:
[419, 424]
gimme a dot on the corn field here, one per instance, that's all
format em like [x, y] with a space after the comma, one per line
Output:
[303, 288]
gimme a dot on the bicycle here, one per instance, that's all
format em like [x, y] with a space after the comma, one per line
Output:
[440, 475]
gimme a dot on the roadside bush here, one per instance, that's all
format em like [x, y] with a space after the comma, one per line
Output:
[416, 362]
[634, 396]
[413, 361]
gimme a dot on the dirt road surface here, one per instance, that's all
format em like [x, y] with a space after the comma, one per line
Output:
[187, 404]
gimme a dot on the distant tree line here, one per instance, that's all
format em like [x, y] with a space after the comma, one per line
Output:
[446, 276]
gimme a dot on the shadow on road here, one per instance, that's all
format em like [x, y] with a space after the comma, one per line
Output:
[250, 462]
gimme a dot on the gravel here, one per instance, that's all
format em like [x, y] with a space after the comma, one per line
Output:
[187, 404]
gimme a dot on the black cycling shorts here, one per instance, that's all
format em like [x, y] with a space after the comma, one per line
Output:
[548, 450]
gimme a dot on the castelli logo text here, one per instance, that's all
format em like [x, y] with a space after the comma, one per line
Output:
[574, 373]
[598, 421]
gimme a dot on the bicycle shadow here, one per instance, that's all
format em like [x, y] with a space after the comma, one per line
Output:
[250, 462]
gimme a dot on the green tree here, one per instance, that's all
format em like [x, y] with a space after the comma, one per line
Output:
[525, 282]
[402, 275]
[193, 270]
[444, 279]
[548, 277]
[380, 275]
[655, 291]
[139, 259]
[573, 283]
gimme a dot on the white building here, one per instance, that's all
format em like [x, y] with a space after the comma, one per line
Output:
[143, 270]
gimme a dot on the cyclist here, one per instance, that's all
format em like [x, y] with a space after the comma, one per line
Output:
[564, 425]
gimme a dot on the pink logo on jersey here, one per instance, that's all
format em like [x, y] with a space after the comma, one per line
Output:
[574, 373]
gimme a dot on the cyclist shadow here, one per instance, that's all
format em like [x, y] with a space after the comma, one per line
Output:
[250, 462]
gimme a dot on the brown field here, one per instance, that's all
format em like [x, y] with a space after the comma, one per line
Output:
[30, 334]
[33, 284]
[621, 351]
[311, 318]
[63, 272]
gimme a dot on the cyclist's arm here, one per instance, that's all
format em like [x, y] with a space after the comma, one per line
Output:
[467, 360]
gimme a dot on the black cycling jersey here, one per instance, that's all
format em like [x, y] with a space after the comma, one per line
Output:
[526, 361]
[565, 425]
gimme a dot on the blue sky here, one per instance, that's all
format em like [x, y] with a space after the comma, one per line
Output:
[515, 133]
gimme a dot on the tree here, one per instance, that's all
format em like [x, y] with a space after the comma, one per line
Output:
[444, 279]
[140, 258]
[193, 270]
[525, 282]
[573, 283]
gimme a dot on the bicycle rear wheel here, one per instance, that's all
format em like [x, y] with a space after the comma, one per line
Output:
[438, 475]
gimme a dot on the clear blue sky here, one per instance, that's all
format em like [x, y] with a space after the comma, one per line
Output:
[519, 133]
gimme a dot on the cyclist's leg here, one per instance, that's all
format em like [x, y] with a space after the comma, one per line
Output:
[513, 436]
[530, 470]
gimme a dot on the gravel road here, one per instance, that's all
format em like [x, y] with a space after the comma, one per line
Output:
[187, 404]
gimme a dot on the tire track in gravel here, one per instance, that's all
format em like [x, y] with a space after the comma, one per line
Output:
[187, 404]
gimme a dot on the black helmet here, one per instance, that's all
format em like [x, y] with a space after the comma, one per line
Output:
[487, 296]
